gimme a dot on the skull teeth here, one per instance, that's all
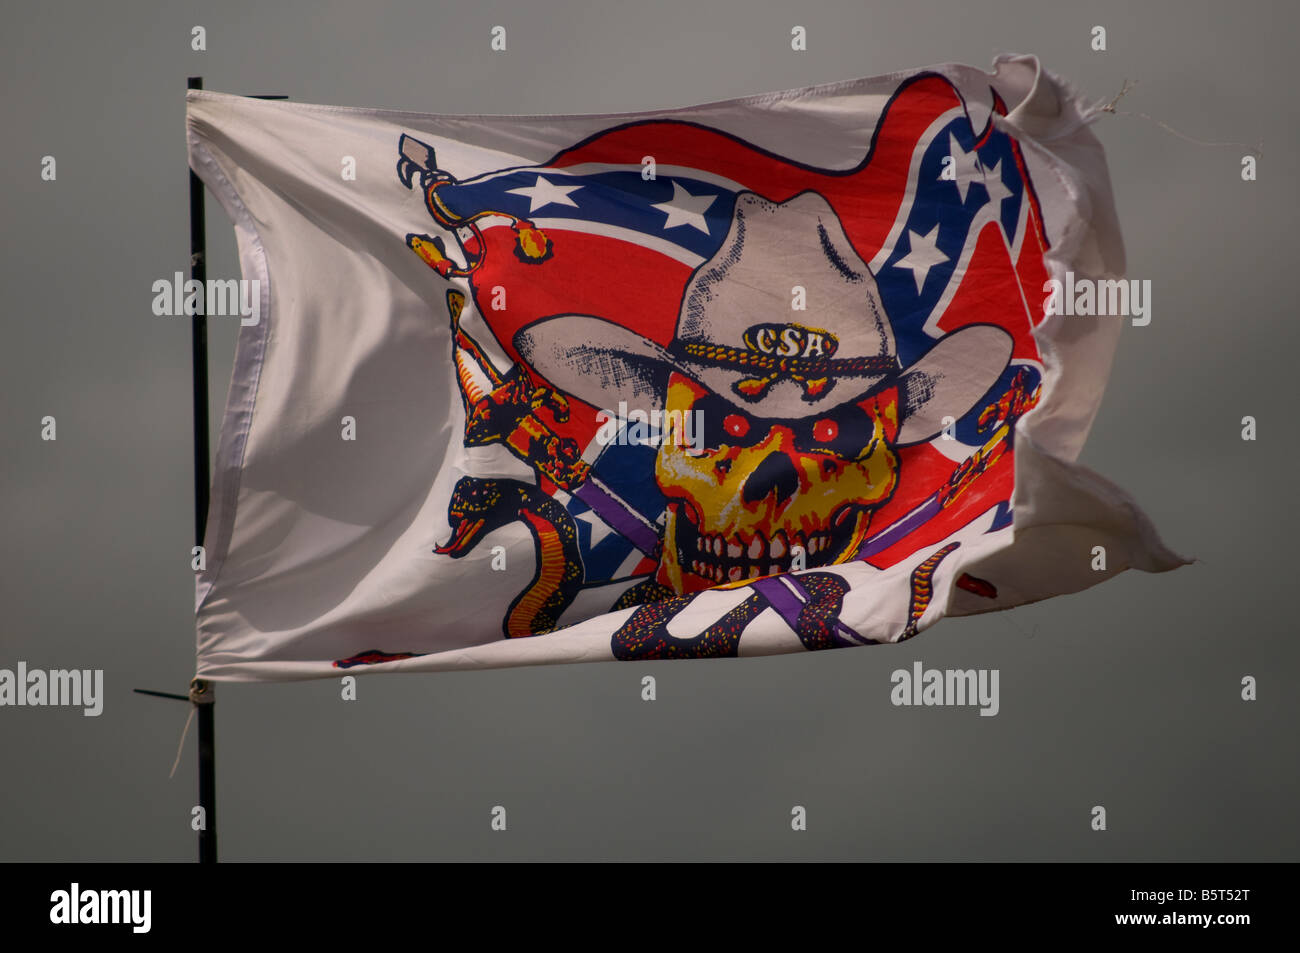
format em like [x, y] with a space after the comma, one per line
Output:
[777, 549]
[718, 559]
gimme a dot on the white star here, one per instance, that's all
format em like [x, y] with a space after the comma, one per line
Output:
[686, 209]
[544, 192]
[923, 255]
[966, 166]
[997, 189]
[599, 529]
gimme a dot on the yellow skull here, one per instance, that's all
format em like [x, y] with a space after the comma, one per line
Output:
[761, 491]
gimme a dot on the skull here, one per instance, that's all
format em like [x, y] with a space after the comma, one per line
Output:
[759, 488]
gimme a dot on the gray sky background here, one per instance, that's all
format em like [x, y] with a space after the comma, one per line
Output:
[1127, 695]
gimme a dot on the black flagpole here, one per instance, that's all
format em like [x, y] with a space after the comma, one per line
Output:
[201, 694]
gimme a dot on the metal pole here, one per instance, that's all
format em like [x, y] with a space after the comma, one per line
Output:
[199, 348]
[201, 694]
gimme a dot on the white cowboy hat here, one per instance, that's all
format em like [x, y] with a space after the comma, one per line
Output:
[737, 335]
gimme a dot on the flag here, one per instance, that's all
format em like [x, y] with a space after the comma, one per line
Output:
[776, 374]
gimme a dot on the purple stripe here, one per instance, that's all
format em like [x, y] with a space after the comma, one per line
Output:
[640, 534]
[888, 537]
[788, 605]
[840, 627]
[782, 599]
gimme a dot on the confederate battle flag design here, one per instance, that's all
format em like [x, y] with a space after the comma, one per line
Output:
[869, 423]
[716, 400]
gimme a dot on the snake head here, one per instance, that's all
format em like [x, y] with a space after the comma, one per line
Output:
[464, 534]
[473, 501]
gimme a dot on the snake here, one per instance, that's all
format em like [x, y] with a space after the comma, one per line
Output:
[480, 505]
[644, 635]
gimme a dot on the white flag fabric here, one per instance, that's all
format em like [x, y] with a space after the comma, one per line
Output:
[803, 370]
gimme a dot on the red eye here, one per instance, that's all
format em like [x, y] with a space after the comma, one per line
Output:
[735, 425]
[825, 431]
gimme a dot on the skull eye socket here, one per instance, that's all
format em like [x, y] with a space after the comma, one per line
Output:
[724, 424]
[846, 432]
[824, 431]
[735, 426]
